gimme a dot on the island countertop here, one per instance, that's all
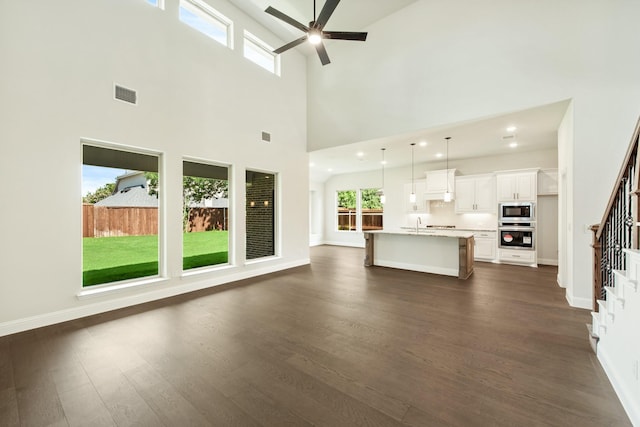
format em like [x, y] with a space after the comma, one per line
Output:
[426, 232]
[441, 251]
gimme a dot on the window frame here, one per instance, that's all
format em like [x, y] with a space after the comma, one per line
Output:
[261, 47]
[230, 252]
[208, 13]
[361, 213]
[356, 210]
[90, 290]
[276, 215]
[156, 3]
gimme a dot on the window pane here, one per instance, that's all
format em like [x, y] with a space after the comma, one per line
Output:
[153, 2]
[120, 215]
[258, 52]
[205, 191]
[260, 217]
[206, 20]
[346, 210]
[371, 209]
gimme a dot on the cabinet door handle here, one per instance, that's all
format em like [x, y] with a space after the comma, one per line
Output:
[516, 256]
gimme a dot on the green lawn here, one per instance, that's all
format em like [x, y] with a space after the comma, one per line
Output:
[110, 259]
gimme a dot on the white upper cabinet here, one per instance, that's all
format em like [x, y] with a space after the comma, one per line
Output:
[517, 186]
[476, 194]
[438, 182]
[421, 205]
[548, 182]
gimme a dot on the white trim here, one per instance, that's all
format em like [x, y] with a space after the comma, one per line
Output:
[99, 290]
[27, 323]
[559, 282]
[338, 243]
[548, 261]
[585, 303]
[630, 404]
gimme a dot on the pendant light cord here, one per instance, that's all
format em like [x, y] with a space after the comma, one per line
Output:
[447, 139]
[413, 185]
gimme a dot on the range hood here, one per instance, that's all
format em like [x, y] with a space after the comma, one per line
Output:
[439, 182]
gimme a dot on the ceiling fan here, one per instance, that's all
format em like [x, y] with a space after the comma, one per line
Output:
[314, 32]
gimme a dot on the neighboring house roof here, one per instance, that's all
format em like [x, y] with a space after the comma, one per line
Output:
[130, 197]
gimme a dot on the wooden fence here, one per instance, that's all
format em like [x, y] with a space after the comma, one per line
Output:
[106, 221]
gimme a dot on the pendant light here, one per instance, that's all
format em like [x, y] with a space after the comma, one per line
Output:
[412, 196]
[383, 198]
[447, 194]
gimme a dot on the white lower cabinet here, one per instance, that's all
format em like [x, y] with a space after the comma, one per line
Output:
[517, 256]
[485, 245]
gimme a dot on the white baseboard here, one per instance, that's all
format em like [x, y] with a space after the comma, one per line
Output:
[27, 323]
[348, 244]
[559, 282]
[585, 303]
[317, 243]
[630, 403]
[547, 261]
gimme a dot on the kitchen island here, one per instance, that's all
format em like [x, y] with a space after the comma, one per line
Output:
[446, 252]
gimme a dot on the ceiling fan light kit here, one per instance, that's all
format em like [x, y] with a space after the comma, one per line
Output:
[315, 31]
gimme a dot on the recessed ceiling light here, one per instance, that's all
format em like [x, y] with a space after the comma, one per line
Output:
[384, 162]
[311, 164]
[329, 170]
[513, 144]
[359, 154]
[423, 143]
[511, 129]
[438, 155]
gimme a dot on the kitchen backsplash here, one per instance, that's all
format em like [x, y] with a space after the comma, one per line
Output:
[442, 213]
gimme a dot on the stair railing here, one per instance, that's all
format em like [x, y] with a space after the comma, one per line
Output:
[618, 229]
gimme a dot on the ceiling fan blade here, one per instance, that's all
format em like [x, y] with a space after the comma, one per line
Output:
[344, 35]
[322, 53]
[325, 13]
[289, 20]
[290, 45]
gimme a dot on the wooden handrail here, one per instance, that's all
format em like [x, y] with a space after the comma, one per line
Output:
[633, 145]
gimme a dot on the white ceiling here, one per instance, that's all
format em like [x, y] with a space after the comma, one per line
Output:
[536, 127]
[536, 130]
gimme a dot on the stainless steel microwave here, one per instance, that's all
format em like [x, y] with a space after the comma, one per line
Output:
[517, 212]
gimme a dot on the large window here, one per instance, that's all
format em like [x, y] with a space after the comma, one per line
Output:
[370, 209]
[205, 222]
[202, 17]
[260, 53]
[156, 3]
[347, 214]
[120, 215]
[261, 214]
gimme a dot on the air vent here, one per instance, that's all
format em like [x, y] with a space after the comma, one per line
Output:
[126, 95]
[508, 137]
[266, 136]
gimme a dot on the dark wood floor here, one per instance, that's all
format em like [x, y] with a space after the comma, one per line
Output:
[331, 344]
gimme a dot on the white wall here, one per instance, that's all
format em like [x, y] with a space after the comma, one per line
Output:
[441, 214]
[196, 98]
[316, 213]
[476, 59]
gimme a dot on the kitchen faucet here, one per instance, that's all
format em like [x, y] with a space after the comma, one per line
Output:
[418, 221]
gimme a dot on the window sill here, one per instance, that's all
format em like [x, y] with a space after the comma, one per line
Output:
[97, 291]
[260, 260]
[205, 270]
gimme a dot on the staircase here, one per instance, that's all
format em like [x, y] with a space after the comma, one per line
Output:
[615, 329]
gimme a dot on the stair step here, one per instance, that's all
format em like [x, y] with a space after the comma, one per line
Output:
[611, 294]
[598, 328]
[604, 311]
[625, 280]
